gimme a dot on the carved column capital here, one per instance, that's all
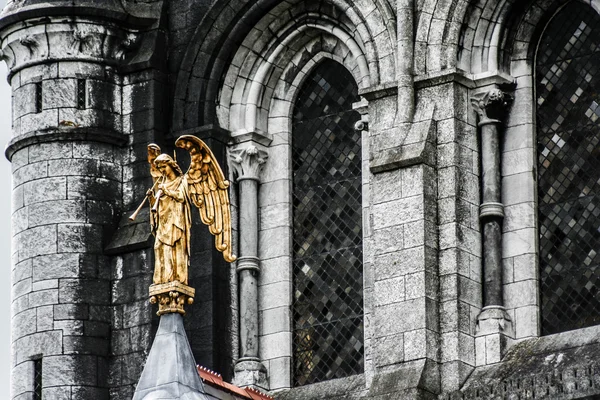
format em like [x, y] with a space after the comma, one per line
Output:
[248, 162]
[491, 106]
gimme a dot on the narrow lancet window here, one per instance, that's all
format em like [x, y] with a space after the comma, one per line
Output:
[327, 235]
[39, 97]
[81, 94]
[37, 379]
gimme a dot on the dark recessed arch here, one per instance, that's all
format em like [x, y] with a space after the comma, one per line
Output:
[227, 25]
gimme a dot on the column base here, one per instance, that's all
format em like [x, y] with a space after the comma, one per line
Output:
[493, 335]
[171, 297]
[250, 372]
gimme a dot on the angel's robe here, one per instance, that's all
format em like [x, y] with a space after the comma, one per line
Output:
[171, 226]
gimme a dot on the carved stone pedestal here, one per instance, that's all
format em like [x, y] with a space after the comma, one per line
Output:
[250, 372]
[493, 335]
[171, 297]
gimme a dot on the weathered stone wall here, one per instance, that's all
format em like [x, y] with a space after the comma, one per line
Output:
[68, 186]
[64, 210]
[184, 19]
[132, 322]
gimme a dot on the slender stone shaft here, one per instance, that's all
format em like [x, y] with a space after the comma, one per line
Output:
[248, 267]
[491, 222]
[491, 107]
[248, 162]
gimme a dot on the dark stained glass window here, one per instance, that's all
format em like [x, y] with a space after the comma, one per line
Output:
[81, 94]
[568, 141]
[39, 97]
[37, 379]
[327, 238]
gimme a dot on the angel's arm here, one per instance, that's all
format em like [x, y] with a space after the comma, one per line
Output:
[178, 194]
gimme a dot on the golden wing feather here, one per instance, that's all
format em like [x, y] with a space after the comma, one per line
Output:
[208, 191]
[153, 152]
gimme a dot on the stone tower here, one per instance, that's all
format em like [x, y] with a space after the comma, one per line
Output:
[67, 176]
[90, 91]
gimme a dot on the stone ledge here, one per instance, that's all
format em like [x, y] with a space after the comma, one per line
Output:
[412, 380]
[561, 366]
[342, 388]
[471, 81]
[379, 91]
[110, 10]
[67, 134]
[417, 147]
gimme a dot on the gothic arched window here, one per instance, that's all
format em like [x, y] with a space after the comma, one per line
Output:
[327, 228]
[568, 143]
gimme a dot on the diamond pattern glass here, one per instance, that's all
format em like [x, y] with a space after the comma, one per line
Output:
[327, 245]
[81, 94]
[568, 134]
[37, 379]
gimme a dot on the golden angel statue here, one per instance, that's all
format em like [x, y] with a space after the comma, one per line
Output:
[171, 198]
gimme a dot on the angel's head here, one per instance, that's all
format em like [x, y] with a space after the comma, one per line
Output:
[165, 164]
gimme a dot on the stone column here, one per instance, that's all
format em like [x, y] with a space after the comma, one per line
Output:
[247, 163]
[494, 326]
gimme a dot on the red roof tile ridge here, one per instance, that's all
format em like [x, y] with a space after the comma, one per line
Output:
[209, 372]
[257, 392]
[215, 379]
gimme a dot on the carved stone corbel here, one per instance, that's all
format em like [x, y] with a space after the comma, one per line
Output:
[491, 106]
[130, 42]
[30, 43]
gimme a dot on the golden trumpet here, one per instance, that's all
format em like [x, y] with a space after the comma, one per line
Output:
[157, 197]
[133, 216]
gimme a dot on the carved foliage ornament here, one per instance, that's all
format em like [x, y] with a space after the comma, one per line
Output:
[171, 297]
[491, 106]
[248, 162]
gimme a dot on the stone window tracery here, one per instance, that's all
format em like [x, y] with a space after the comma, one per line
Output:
[568, 137]
[327, 306]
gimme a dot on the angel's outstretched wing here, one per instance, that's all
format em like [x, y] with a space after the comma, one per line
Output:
[153, 152]
[208, 191]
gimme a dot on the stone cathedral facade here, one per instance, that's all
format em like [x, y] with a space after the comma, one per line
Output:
[416, 192]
